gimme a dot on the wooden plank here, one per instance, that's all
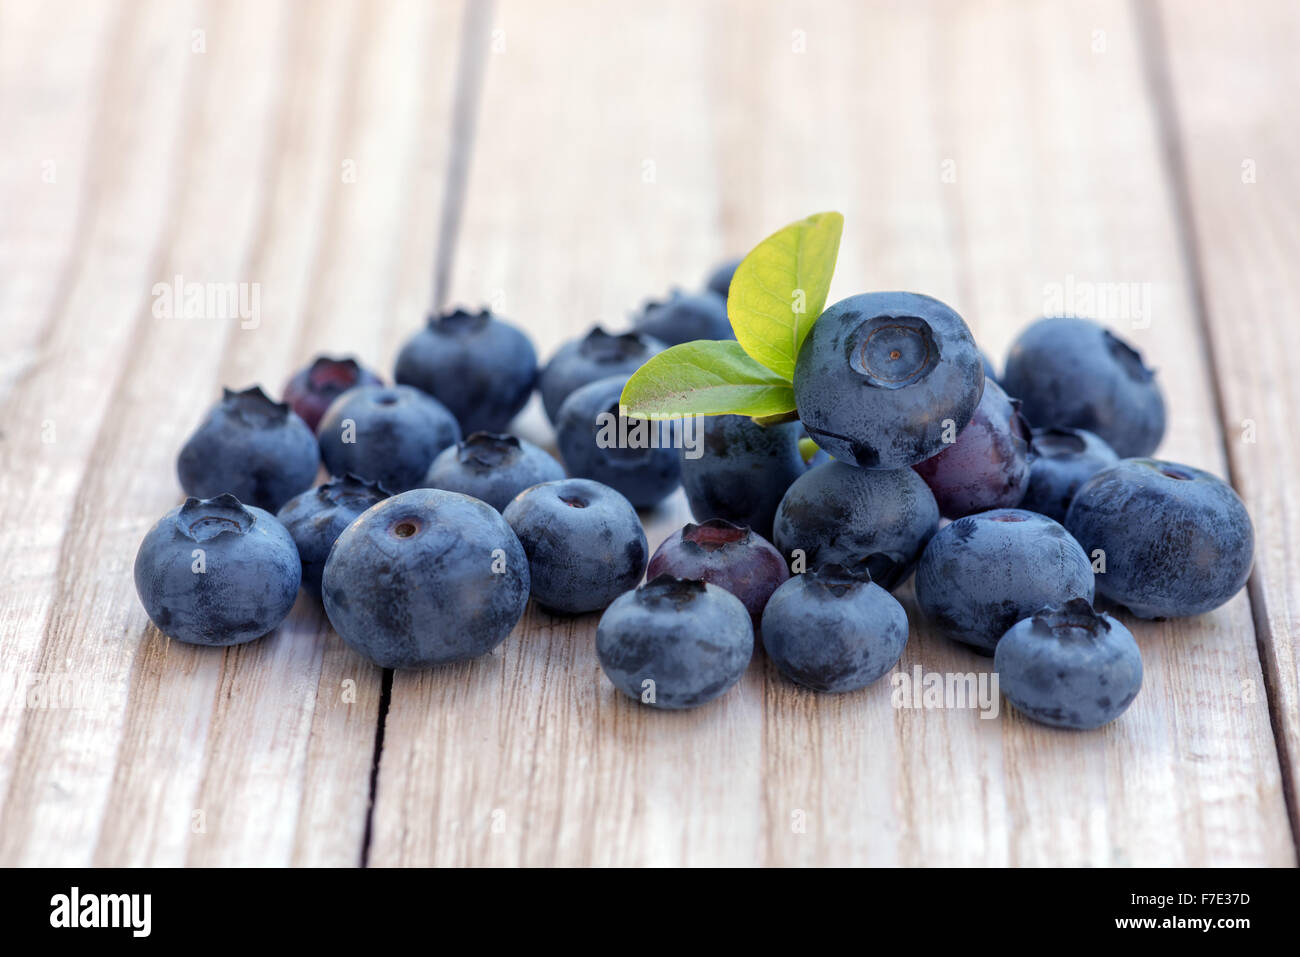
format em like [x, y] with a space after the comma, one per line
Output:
[710, 129]
[1231, 79]
[259, 754]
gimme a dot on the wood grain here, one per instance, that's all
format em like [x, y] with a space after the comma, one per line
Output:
[1026, 158]
[562, 161]
[1234, 165]
[260, 753]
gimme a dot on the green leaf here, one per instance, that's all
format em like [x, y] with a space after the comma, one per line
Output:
[705, 378]
[780, 289]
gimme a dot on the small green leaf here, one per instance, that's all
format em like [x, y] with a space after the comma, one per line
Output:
[780, 289]
[807, 449]
[705, 378]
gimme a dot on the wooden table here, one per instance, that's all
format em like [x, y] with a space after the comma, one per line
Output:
[562, 161]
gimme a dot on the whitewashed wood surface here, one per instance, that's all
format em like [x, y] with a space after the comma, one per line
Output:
[562, 161]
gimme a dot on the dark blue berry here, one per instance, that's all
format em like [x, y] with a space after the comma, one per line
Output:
[425, 578]
[215, 572]
[1069, 666]
[597, 355]
[743, 470]
[985, 572]
[1177, 541]
[317, 517]
[1063, 460]
[584, 542]
[480, 367]
[1075, 373]
[675, 643]
[884, 376]
[720, 279]
[879, 520]
[255, 449]
[494, 468]
[387, 434]
[588, 432]
[833, 629]
[686, 317]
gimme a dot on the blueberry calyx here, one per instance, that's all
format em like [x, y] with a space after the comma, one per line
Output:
[326, 372]
[203, 519]
[488, 450]
[351, 490]
[1129, 359]
[891, 352]
[839, 579]
[1056, 443]
[1075, 619]
[254, 408]
[670, 591]
[603, 347]
[459, 321]
[714, 534]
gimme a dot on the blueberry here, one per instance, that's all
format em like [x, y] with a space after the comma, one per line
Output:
[988, 464]
[589, 431]
[839, 514]
[215, 572]
[425, 578]
[675, 643]
[685, 317]
[884, 376]
[597, 355]
[584, 542]
[1177, 541]
[1074, 373]
[387, 434]
[1069, 666]
[743, 471]
[723, 554]
[317, 517]
[255, 449]
[494, 468]
[833, 629]
[481, 368]
[311, 390]
[990, 374]
[985, 572]
[720, 278]
[1063, 460]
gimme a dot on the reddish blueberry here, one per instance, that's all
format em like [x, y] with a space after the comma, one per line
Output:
[311, 390]
[724, 554]
[987, 466]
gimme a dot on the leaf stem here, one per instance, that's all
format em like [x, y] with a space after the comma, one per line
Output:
[781, 419]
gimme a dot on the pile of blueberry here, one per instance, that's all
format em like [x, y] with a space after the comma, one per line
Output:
[437, 526]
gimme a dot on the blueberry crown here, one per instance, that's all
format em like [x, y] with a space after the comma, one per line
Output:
[254, 408]
[460, 321]
[352, 490]
[668, 591]
[1073, 619]
[488, 450]
[714, 534]
[203, 519]
[601, 346]
[839, 579]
